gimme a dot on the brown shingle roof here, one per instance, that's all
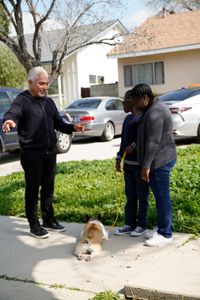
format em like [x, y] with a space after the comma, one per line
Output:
[173, 30]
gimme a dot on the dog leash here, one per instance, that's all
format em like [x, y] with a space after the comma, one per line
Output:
[121, 190]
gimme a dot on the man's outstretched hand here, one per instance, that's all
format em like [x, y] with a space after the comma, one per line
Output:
[79, 127]
[8, 125]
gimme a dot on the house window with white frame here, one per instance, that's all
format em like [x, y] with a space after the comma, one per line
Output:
[96, 79]
[149, 73]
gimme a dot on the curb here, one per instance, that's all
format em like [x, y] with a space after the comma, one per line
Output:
[145, 293]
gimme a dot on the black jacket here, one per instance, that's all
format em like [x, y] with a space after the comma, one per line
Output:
[36, 119]
[129, 137]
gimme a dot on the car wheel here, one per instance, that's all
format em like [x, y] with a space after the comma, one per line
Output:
[198, 135]
[64, 142]
[108, 133]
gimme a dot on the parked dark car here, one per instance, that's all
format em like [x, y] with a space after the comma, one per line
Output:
[102, 116]
[184, 105]
[9, 140]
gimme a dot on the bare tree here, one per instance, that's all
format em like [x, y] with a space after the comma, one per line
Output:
[174, 5]
[72, 14]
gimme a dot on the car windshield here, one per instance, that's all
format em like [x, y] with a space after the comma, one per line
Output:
[84, 103]
[179, 95]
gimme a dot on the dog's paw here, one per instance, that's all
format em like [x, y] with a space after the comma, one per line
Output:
[88, 258]
[82, 257]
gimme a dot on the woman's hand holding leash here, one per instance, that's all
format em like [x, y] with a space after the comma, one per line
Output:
[145, 174]
[118, 165]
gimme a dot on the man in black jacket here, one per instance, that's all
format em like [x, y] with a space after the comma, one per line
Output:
[37, 118]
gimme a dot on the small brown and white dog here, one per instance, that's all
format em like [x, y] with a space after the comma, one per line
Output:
[91, 240]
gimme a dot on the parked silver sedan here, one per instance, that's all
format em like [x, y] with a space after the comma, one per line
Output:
[184, 105]
[102, 116]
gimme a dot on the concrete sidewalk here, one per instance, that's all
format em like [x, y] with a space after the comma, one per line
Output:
[46, 269]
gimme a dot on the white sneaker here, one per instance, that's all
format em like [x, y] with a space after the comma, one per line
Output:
[150, 233]
[158, 240]
[138, 231]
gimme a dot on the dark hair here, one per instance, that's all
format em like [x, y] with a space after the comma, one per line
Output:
[140, 90]
[127, 95]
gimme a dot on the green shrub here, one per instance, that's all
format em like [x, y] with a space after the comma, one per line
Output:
[108, 295]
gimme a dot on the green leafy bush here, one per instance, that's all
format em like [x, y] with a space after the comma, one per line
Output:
[12, 73]
[86, 189]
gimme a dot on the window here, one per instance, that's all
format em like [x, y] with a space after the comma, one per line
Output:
[159, 72]
[119, 105]
[179, 95]
[4, 102]
[13, 95]
[114, 104]
[92, 78]
[128, 76]
[150, 73]
[100, 79]
[84, 103]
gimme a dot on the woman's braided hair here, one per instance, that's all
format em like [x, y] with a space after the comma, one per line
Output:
[140, 90]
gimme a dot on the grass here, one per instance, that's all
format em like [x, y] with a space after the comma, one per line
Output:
[85, 189]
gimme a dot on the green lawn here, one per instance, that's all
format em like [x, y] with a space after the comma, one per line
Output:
[87, 189]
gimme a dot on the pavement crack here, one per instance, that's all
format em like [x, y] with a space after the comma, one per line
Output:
[52, 286]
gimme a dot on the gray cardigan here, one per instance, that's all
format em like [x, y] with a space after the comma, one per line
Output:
[155, 143]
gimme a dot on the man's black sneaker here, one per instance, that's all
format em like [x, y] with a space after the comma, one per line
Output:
[39, 232]
[53, 225]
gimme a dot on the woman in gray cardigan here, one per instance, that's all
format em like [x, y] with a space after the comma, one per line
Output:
[156, 152]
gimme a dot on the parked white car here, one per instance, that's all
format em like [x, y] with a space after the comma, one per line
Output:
[184, 105]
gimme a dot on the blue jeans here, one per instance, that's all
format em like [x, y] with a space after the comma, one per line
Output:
[137, 195]
[159, 181]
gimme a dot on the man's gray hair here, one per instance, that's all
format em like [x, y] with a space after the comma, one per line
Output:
[33, 73]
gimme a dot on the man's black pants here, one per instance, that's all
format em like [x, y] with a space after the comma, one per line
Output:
[39, 174]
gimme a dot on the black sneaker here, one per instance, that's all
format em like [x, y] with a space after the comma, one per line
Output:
[53, 225]
[39, 232]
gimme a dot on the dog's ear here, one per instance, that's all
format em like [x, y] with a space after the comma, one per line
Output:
[89, 220]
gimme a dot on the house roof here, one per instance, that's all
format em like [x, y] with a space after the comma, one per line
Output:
[53, 39]
[159, 34]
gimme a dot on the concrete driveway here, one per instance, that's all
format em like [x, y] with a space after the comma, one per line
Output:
[81, 149]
